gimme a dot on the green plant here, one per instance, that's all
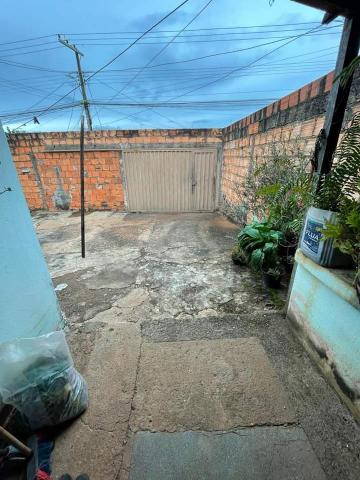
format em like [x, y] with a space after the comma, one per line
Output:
[288, 204]
[261, 243]
[268, 172]
[343, 181]
[346, 232]
[348, 72]
[238, 255]
[282, 188]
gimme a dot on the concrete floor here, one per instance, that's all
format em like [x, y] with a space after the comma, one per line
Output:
[192, 370]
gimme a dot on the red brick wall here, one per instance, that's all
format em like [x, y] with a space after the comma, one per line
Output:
[51, 179]
[296, 118]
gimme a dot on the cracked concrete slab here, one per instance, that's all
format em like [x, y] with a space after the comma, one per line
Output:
[182, 261]
[262, 453]
[207, 385]
[194, 293]
[94, 443]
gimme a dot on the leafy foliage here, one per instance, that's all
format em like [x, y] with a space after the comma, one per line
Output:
[238, 255]
[281, 189]
[261, 243]
[343, 182]
[346, 233]
[348, 72]
[289, 204]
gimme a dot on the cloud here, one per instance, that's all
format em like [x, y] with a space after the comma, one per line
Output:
[164, 82]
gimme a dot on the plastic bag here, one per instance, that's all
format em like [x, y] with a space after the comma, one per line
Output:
[37, 376]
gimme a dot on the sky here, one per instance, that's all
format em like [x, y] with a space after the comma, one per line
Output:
[207, 65]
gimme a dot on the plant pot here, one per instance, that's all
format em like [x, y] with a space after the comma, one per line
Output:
[270, 281]
[238, 261]
[321, 252]
[238, 256]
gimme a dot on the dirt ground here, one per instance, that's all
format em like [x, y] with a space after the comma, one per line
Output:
[184, 350]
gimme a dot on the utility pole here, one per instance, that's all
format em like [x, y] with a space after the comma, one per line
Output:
[82, 187]
[78, 54]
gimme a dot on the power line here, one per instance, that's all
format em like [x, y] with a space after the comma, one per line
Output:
[223, 40]
[137, 40]
[28, 39]
[95, 107]
[30, 67]
[27, 46]
[203, 29]
[196, 35]
[26, 53]
[116, 71]
[228, 52]
[157, 55]
[227, 75]
[117, 56]
[71, 113]
[210, 29]
[147, 109]
[249, 65]
[39, 111]
[78, 54]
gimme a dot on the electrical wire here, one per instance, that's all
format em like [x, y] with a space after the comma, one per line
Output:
[228, 52]
[114, 58]
[227, 75]
[30, 67]
[157, 55]
[196, 35]
[243, 67]
[30, 52]
[28, 39]
[71, 113]
[137, 40]
[181, 42]
[204, 29]
[96, 109]
[147, 109]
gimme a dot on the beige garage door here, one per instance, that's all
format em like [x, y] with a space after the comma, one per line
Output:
[170, 180]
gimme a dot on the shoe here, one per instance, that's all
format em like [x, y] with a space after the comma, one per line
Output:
[83, 476]
[65, 477]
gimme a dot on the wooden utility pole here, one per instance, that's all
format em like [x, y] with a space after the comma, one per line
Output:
[82, 187]
[339, 94]
[85, 102]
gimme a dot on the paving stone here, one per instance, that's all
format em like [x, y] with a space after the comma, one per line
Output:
[260, 453]
[94, 443]
[207, 385]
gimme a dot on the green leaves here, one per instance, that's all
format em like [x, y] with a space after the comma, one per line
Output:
[348, 71]
[346, 232]
[268, 190]
[342, 183]
[261, 243]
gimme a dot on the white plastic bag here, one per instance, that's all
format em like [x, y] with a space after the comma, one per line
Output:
[37, 376]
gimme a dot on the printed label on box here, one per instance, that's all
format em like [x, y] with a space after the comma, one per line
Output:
[313, 235]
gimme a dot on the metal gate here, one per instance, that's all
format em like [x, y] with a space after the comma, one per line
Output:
[176, 180]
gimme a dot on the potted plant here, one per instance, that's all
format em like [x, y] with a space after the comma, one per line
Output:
[340, 185]
[346, 235]
[272, 277]
[238, 255]
[261, 242]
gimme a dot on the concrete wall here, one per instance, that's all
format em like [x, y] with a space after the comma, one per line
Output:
[28, 302]
[48, 164]
[325, 313]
